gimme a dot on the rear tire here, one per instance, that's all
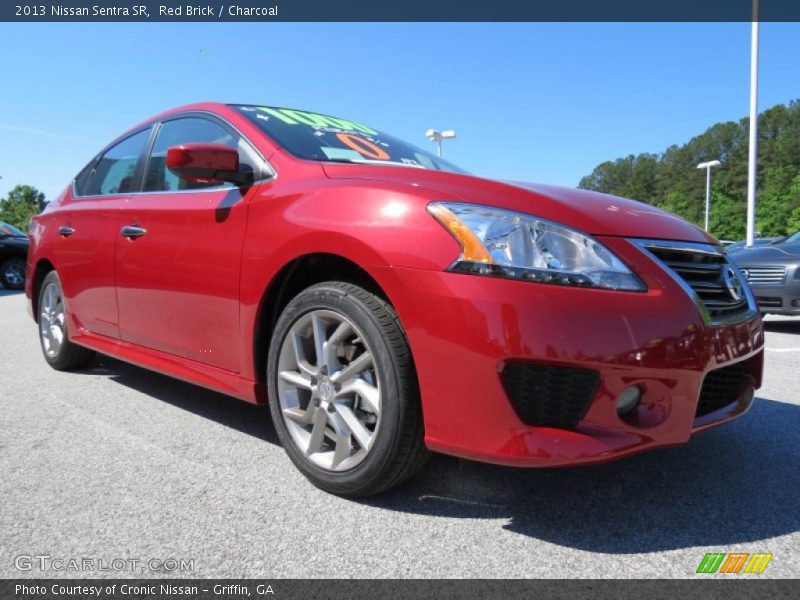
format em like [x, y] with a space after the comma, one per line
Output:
[12, 274]
[59, 352]
[343, 391]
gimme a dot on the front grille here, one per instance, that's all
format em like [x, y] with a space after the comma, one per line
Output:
[769, 302]
[722, 387]
[702, 269]
[764, 274]
[548, 396]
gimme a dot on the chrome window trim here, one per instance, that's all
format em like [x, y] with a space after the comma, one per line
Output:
[702, 248]
[226, 188]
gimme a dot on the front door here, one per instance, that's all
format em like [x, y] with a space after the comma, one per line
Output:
[178, 256]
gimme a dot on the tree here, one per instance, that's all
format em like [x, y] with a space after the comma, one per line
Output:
[631, 177]
[774, 203]
[793, 225]
[672, 181]
[678, 202]
[22, 203]
[727, 216]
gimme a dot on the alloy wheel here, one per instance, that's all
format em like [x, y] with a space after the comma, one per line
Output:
[14, 274]
[52, 320]
[329, 390]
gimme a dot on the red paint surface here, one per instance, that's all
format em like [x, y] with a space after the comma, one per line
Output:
[185, 298]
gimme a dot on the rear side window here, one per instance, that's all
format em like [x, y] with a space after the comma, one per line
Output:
[159, 178]
[115, 172]
[83, 178]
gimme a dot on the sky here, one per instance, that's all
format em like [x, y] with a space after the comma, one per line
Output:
[529, 101]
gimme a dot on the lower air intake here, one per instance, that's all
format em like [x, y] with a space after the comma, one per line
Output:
[548, 396]
[722, 387]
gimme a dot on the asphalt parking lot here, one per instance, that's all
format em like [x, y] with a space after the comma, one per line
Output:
[118, 462]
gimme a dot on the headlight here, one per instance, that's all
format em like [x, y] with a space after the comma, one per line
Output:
[508, 244]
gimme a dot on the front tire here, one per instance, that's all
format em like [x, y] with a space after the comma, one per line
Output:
[59, 352]
[12, 274]
[343, 391]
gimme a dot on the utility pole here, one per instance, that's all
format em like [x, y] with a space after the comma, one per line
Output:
[708, 166]
[753, 156]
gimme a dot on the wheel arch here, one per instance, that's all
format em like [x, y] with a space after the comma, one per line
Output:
[43, 267]
[295, 276]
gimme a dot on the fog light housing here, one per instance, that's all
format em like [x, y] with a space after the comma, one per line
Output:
[796, 301]
[628, 400]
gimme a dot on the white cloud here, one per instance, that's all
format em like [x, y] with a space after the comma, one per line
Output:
[31, 131]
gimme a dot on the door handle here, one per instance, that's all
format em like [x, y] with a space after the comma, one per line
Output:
[65, 230]
[132, 232]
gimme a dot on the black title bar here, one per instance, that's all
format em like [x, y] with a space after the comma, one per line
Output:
[403, 10]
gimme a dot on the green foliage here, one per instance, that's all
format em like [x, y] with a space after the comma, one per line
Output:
[794, 220]
[22, 203]
[680, 203]
[774, 202]
[794, 196]
[672, 181]
[727, 216]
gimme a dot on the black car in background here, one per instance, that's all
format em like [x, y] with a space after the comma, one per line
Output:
[773, 272]
[13, 256]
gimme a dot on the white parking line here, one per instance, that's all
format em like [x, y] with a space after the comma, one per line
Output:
[783, 349]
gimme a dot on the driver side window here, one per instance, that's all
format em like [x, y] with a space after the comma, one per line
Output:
[159, 178]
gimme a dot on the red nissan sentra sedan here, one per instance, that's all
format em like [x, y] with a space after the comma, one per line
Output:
[385, 302]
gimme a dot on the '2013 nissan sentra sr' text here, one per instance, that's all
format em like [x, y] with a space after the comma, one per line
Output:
[386, 303]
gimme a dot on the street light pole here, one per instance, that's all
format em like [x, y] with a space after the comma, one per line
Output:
[753, 149]
[437, 136]
[708, 166]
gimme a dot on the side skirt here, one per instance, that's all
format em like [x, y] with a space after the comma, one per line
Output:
[174, 366]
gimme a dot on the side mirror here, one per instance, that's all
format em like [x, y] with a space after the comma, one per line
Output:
[206, 163]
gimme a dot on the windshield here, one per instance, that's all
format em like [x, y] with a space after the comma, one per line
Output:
[6, 229]
[795, 237]
[319, 137]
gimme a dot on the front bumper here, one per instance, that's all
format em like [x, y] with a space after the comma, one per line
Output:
[781, 299]
[464, 329]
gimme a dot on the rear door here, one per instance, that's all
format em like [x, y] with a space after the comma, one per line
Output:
[87, 231]
[179, 251]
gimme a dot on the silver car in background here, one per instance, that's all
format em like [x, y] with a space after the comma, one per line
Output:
[773, 272]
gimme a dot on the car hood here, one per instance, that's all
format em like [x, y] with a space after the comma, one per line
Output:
[780, 253]
[592, 212]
